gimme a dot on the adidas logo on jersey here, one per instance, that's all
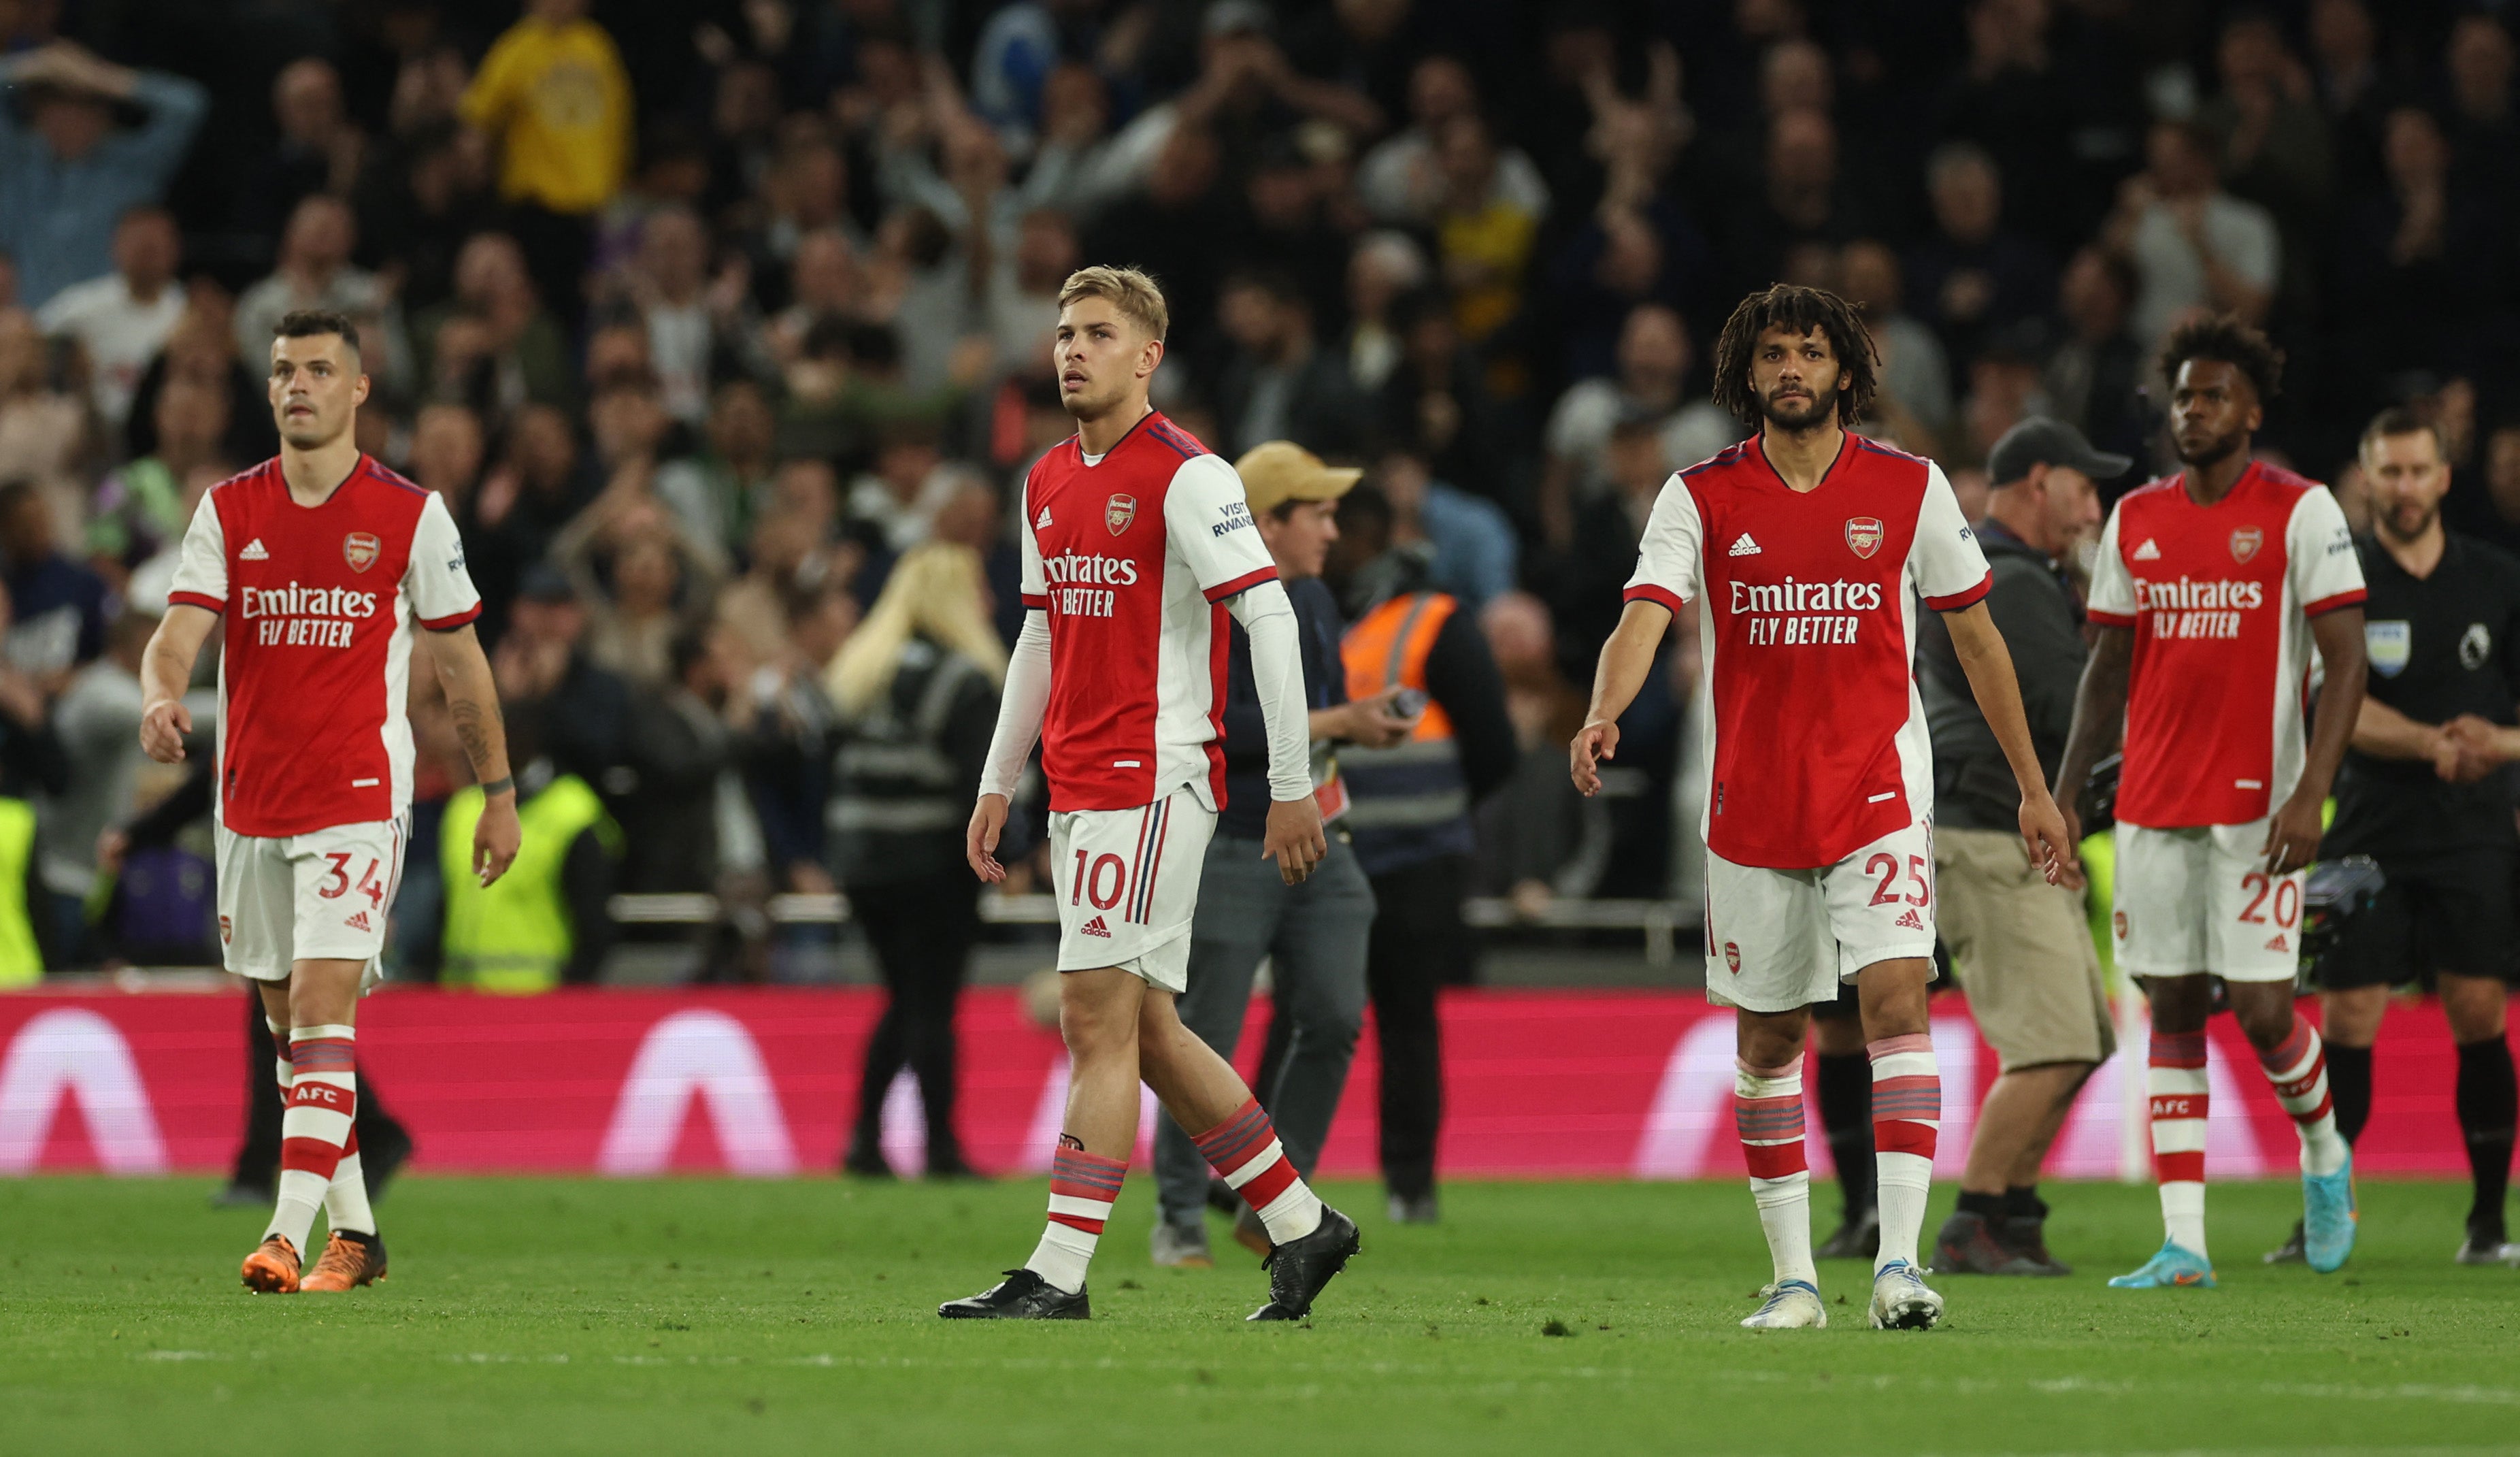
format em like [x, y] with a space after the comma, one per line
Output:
[358, 921]
[1040, 523]
[254, 552]
[1910, 921]
[1743, 546]
[2149, 552]
[1095, 927]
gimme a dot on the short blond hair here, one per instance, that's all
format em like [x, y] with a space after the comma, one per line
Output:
[1132, 291]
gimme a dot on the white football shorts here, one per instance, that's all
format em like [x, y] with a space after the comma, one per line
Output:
[2200, 900]
[322, 895]
[1778, 939]
[1127, 886]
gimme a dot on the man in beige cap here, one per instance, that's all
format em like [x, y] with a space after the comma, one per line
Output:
[1315, 931]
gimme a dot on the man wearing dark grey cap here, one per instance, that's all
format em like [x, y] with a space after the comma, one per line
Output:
[2020, 945]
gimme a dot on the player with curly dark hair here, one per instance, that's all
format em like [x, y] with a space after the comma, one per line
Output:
[2213, 587]
[1814, 318]
[2222, 336]
[1800, 556]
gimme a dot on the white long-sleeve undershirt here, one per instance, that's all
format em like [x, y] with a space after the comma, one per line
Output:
[1276, 673]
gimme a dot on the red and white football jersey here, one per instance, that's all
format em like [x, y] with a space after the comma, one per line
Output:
[2220, 598]
[1132, 554]
[1819, 742]
[320, 602]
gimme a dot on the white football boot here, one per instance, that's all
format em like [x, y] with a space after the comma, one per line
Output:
[1902, 1301]
[1790, 1305]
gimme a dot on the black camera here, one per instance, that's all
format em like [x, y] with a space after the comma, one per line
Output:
[2334, 894]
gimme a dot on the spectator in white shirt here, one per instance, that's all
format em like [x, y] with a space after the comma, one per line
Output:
[315, 272]
[122, 318]
[2194, 245]
[1402, 179]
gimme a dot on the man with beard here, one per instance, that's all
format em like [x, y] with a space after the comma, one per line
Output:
[1804, 542]
[2211, 587]
[2425, 792]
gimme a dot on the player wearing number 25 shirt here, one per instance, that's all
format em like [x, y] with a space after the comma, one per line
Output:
[1802, 551]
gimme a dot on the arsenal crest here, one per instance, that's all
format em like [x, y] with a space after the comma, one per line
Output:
[2245, 543]
[360, 549]
[1864, 536]
[1118, 511]
[1732, 957]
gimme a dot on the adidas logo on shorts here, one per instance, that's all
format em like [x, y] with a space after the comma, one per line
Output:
[254, 552]
[1095, 927]
[1743, 546]
[1910, 921]
[358, 921]
[2278, 943]
[2147, 552]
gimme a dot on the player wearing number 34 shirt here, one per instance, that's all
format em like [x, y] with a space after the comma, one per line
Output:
[320, 563]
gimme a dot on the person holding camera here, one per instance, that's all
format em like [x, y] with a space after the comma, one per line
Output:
[2427, 790]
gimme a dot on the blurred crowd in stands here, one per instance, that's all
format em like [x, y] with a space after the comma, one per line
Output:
[701, 316]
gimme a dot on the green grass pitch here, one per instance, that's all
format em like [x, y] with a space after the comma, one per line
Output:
[552, 1316]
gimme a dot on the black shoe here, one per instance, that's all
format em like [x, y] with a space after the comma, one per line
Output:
[243, 1196]
[947, 1164]
[2025, 1238]
[1299, 1268]
[1021, 1296]
[1859, 1238]
[1416, 1209]
[1966, 1245]
[2291, 1251]
[381, 1158]
[2486, 1246]
[865, 1159]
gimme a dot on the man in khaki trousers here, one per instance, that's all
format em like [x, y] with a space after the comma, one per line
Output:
[2020, 946]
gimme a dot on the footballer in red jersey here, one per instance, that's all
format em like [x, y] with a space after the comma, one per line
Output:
[319, 562]
[1801, 554]
[1137, 542]
[2213, 586]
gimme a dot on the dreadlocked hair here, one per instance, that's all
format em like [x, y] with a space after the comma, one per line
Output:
[1798, 311]
[2224, 337]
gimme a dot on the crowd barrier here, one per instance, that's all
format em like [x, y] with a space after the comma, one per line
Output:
[762, 1082]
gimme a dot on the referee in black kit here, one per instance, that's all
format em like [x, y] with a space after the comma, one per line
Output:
[2428, 792]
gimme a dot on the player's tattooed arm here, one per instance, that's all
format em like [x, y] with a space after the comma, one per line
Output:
[2099, 718]
[472, 702]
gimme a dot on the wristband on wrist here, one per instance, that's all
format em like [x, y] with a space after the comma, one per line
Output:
[506, 784]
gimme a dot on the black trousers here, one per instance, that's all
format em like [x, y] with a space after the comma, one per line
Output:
[1417, 946]
[258, 1159]
[922, 932]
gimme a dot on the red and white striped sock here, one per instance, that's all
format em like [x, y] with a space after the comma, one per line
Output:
[345, 1198]
[1907, 1119]
[323, 1095]
[1768, 1114]
[2298, 1068]
[1244, 1152]
[1082, 1187]
[2181, 1103]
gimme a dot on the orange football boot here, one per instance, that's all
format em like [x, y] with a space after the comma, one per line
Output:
[346, 1264]
[272, 1269]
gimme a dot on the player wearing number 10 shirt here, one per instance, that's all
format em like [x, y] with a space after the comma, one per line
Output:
[1136, 543]
[2211, 588]
[1801, 551]
[319, 562]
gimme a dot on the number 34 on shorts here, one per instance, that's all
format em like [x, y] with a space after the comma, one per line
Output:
[2200, 900]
